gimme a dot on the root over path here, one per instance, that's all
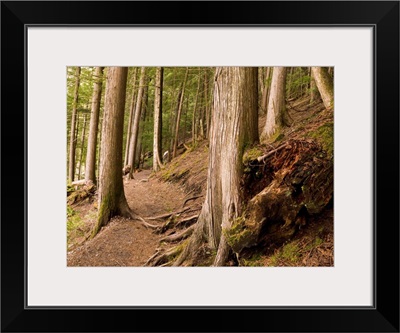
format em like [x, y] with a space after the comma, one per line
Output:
[124, 242]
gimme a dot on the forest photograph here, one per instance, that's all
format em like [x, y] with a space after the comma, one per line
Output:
[200, 166]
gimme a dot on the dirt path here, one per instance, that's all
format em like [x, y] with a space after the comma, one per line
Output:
[124, 242]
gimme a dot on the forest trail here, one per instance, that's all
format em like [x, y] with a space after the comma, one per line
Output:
[126, 242]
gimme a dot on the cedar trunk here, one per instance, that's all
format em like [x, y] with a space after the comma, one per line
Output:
[324, 84]
[235, 89]
[111, 194]
[135, 126]
[276, 112]
[90, 172]
[72, 140]
[131, 114]
[157, 140]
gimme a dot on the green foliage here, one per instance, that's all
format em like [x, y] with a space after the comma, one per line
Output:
[256, 260]
[74, 223]
[324, 135]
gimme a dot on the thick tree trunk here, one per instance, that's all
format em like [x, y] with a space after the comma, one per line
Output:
[72, 140]
[111, 194]
[234, 87]
[178, 115]
[90, 172]
[135, 127]
[157, 140]
[324, 83]
[276, 104]
[131, 114]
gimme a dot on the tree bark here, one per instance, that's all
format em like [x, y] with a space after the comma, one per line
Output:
[178, 115]
[131, 114]
[111, 194]
[135, 127]
[324, 83]
[90, 172]
[72, 140]
[82, 146]
[276, 117]
[265, 92]
[157, 140]
[252, 117]
[194, 137]
[314, 93]
[207, 104]
[234, 87]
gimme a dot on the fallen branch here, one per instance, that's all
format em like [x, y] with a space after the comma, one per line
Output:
[264, 157]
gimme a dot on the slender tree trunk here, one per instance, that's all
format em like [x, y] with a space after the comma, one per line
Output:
[135, 127]
[324, 83]
[157, 140]
[131, 113]
[252, 117]
[82, 146]
[90, 172]
[233, 89]
[314, 93]
[111, 194]
[72, 141]
[178, 115]
[194, 138]
[143, 114]
[265, 92]
[207, 104]
[276, 117]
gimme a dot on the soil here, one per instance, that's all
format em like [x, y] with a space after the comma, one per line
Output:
[125, 242]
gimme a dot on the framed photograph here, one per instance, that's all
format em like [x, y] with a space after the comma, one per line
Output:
[323, 252]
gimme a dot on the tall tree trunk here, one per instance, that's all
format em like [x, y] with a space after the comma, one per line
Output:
[178, 115]
[314, 93]
[111, 194]
[131, 113]
[265, 92]
[276, 113]
[207, 104]
[324, 84]
[143, 114]
[72, 140]
[157, 139]
[90, 172]
[194, 138]
[233, 89]
[82, 146]
[252, 117]
[135, 126]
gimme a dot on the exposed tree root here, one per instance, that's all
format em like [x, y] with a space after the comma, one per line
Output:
[178, 236]
[165, 216]
[191, 198]
[164, 258]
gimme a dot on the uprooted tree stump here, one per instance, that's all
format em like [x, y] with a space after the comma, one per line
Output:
[299, 178]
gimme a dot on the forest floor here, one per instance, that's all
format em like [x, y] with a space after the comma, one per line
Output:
[177, 192]
[124, 242]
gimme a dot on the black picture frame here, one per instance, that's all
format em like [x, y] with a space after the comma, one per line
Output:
[383, 316]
